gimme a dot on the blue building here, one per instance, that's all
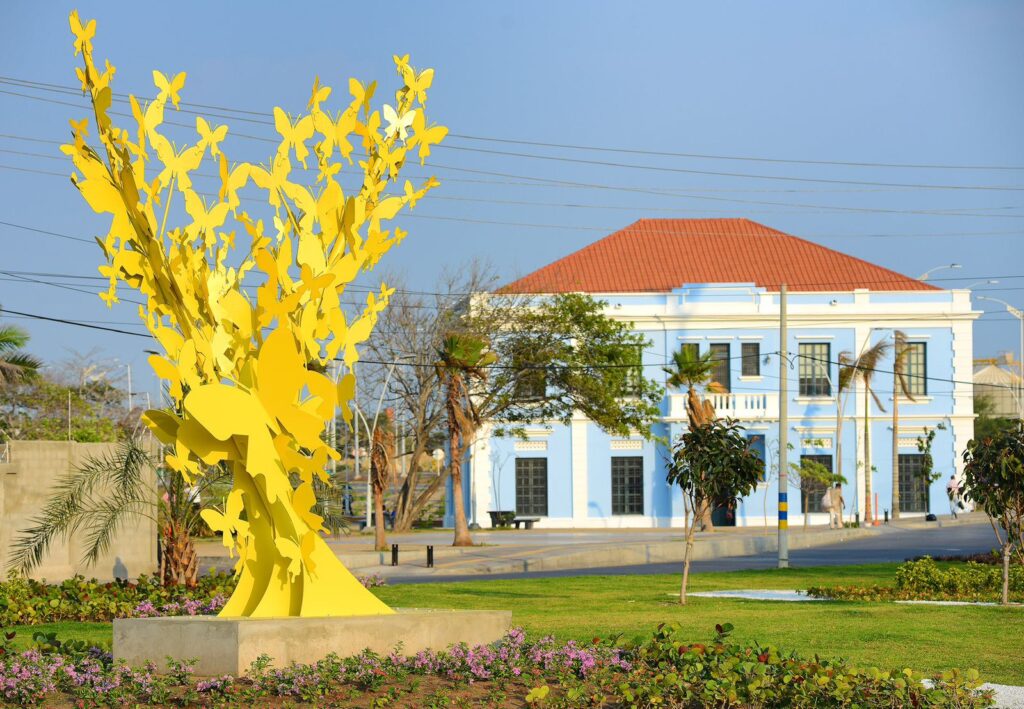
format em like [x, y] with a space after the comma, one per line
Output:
[714, 285]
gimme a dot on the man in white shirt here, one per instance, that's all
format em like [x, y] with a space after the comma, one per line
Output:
[835, 509]
[953, 493]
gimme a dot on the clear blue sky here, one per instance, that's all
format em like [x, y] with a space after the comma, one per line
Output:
[909, 82]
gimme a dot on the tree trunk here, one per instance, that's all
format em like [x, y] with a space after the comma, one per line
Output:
[867, 454]
[895, 446]
[407, 507]
[455, 438]
[380, 539]
[1006, 572]
[180, 565]
[806, 497]
[699, 509]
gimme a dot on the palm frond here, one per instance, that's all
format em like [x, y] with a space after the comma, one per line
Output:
[899, 365]
[117, 475]
[869, 360]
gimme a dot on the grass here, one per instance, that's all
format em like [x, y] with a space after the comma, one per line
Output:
[925, 638]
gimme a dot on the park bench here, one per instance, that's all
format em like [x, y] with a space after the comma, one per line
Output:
[501, 518]
[527, 522]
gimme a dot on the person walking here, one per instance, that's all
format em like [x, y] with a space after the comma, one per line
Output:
[953, 493]
[835, 509]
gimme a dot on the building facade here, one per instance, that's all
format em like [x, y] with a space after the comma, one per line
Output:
[714, 285]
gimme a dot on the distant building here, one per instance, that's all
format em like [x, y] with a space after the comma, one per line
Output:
[999, 381]
[713, 284]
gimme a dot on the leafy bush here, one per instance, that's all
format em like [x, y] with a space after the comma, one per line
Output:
[668, 671]
[925, 580]
[29, 602]
[660, 671]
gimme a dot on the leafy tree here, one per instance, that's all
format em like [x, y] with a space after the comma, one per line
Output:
[805, 474]
[994, 477]
[546, 358]
[987, 423]
[413, 327]
[713, 464]
[924, 445]
[15, 364]
[38, 409]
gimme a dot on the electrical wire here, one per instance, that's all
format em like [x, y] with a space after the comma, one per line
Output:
[266, 119]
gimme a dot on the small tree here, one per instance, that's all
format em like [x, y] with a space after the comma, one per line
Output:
[713, 465]
[924, 445]
[994, 477]
[805, 474]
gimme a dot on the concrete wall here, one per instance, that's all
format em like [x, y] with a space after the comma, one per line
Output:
[27, 478]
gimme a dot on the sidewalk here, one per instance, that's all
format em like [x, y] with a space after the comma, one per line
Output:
[514, 551]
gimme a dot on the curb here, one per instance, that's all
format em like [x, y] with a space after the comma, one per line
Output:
[632, 554]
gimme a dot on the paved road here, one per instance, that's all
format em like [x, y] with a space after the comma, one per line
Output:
[890, 544]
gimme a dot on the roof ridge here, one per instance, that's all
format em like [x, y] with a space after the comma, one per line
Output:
[649, 255]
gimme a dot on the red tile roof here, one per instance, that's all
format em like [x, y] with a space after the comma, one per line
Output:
[659, 255]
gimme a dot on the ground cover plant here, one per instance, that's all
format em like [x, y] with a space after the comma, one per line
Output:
[30, 602]
[863, 632]
[926, 580]
[665, 668]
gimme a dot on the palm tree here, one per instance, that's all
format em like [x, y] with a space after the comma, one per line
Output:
[690, 370]
[381, 453]
[847, 378]
[865, 366]
[15, 365]
[109, 491]
[462, 360]
[899, 384]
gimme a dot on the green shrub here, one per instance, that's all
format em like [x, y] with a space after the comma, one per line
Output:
[670, 672]
[925, 580]
[29, 602]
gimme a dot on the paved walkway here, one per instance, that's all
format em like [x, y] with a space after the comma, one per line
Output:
[513, 552]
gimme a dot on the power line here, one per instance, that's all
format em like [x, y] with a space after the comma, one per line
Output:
[830, 285]
[266, 120]
[604, 163]
[468, 220]
[497, 366]
[958, 212]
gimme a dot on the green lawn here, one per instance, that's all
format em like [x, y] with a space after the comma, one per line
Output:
[926, 638]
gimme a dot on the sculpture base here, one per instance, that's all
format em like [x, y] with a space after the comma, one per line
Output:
[230, 645]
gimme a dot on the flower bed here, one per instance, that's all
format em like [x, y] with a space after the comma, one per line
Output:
[28, 602]
[661, 671]
[925, 580]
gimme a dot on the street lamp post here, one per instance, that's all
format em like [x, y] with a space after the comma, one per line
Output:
[989, 282]
[1019, 314]
[924, 276]
[369, 432]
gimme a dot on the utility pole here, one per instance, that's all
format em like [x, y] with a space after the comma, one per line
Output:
[355, 453]
[783, 434]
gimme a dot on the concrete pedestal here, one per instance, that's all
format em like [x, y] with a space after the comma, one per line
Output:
[230, 645]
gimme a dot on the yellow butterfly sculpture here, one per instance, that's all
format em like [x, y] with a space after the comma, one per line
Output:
[244, 370]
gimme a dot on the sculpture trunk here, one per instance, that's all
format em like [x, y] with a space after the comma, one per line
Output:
[271, 584]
